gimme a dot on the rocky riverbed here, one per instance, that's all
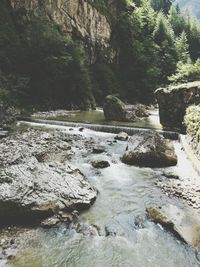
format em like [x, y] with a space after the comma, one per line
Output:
[49, 176]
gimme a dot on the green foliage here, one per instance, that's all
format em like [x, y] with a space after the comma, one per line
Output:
[186, 72]
[139, 70]
[13, 90]
[161, 5]
[105, 81]
[44, 67]
[9, 40]
[182, 48]
[192, 123]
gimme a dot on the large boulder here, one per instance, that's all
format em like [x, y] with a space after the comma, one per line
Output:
[173, 102]
[37, 179]
[114, 109]
[182, 224]
[149, 149]
[37, 190]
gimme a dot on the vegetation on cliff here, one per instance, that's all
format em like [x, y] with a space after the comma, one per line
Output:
[43, 66]
[192, 122]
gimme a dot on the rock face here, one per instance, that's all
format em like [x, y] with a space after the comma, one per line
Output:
[149, 150]
[173, 102]
[192, 123]
[174, 220]
[37, 180]
[75, 17]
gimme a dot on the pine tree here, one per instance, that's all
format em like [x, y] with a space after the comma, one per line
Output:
[182, 48]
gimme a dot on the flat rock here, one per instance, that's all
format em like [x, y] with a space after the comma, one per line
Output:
[149, 149]
[181, 223]
[39, 190]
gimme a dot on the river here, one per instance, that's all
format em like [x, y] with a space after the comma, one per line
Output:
[119, 212]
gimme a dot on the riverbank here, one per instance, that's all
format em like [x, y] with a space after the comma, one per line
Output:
[116, 223]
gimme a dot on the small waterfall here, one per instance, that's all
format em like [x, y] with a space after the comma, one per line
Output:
[104, 128]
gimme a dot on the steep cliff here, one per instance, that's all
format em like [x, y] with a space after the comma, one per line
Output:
[77, 18]
[61, 49]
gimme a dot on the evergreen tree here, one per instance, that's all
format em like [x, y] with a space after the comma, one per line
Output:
[182, 48]
[164, 37]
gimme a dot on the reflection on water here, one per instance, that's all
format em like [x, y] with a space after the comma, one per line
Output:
[97, 117]
[124, 193]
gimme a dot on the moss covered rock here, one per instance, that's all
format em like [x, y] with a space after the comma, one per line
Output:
[192, 123]
[173, 102]
[114, 109]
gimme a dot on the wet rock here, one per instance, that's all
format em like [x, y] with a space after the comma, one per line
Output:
[100, 164]
[149, 150]
[38, 191]
[87, 229]
[99, 149]
[139, 110]
[109, 231]
[177, 221]
[81, 129]
[171, 175]
[122, 136]
[50, 222]
[65, 216]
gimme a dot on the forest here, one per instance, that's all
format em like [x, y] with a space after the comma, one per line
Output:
[41, 67]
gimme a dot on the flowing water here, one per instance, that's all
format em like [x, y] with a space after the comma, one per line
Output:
[124, 194]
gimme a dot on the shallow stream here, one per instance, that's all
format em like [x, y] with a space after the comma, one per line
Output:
[127, 238]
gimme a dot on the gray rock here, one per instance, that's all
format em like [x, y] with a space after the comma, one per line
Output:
[87, 229]
[99, 149]
[50, 222]
[110, 231]
[38, 190]
[100, 164]
[122, 136]
[149, 150]
[176, 221]
[171, 175]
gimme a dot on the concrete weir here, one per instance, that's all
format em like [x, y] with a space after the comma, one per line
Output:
[102, 128]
